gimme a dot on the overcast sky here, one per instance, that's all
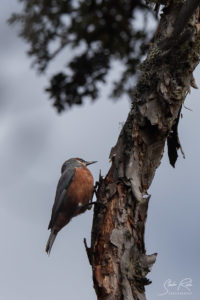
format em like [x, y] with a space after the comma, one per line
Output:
[35, 141]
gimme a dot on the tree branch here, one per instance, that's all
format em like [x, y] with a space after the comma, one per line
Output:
[187, 10]
[118, 254]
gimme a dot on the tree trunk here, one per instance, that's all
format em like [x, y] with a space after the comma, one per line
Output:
[117, 254]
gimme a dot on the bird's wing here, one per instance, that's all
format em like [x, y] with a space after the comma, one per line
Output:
[62, 187]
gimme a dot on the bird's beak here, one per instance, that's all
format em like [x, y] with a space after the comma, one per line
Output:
[90, 162]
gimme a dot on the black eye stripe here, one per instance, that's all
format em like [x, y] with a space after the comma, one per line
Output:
[82, 160]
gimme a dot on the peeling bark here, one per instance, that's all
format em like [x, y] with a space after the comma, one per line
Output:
[117, 254]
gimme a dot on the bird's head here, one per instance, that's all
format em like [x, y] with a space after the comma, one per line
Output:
[75, 162]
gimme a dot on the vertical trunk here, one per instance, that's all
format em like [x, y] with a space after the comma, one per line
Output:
[117, 252]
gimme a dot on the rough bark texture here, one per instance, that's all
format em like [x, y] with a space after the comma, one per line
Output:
[117, 252]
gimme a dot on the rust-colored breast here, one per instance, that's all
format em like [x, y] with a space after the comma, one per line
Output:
[81, 189]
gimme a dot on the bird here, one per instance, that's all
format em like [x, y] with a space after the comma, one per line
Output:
[73, 195]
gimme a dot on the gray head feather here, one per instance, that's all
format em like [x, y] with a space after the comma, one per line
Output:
[70, 163]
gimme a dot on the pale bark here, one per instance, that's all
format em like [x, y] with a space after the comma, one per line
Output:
[117, 252]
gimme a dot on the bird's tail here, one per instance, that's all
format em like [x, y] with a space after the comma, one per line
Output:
[50, 241]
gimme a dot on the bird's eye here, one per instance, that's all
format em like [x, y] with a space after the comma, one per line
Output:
[81, 160]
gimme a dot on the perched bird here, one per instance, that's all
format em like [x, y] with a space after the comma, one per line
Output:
[73, 195]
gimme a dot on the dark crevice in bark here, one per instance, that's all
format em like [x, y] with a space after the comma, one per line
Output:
[173, 142]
